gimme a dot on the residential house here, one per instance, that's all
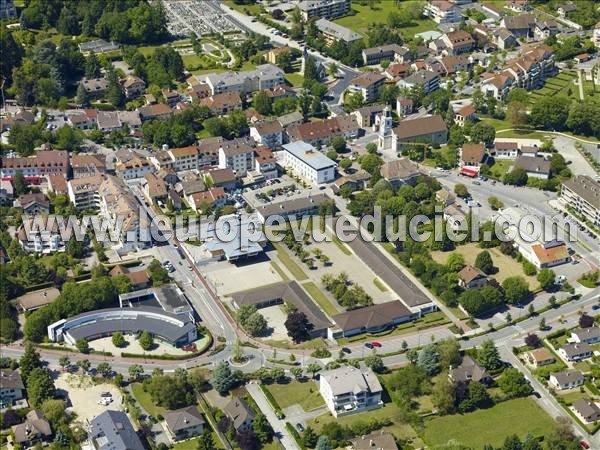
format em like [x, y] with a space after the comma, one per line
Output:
[518, 5]
[112, 430]
[470, 277]
[237, 155]
[265, 76]
[404, 106]
[269, 134]
[378, 440]
[108, 121]
[224, 178]
[540, 357]
[455, 217]
[590, 335]
[452, 65]
[95, 87]
[504, 39]
[130, 118]
[365, 116]
[33, 204]
[184, 423]
[34, 430]
[332, 32]
[171, 97]
[568, 379]
[293, 118]
[57, 184]
[465, 114]
[506, 150]
[426, 79]
[158, 111]
[224, 103]
[356, 181]
[576, 352]
[400, 172]
[458, 42]
[521, 25]
[265, 163]
[139, 279]
[587, 410]
[492, 10]
[133, 87]
[545, 254]
[445, 197]
[131, 165]
[368, 84]
[11, 387]
[543, 30]
[308, 163]
[370, 319]
[471, 155]
[322, 132]
[582, 193]
[442, 12]
[84, 165]
[154, 188]
[329, 9]
[240, 414]
[535, 167]
[397, 71]
[430, 129]
[348, 390]
[469, 370]
[375, 55]
[566, 8]
[497, 85]
[213, 198]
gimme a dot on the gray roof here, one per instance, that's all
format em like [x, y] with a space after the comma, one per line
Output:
[290, 207]
[371, 316]
[469, 370]
[378, 440]
[238, 411]
[35, 427]
[236, 246]
[168, 296]
[290, 292]
[290, 118]
[348, 379]
[421, 77]
[184, 418]
[586, 187]
[533, 164]
[309, 155]
[337, 31]
[385, 49]
[10, 379]
[586, 407]
[112, 430]
[567, 376]
[132, 324]
[587, 333]
[263, 72]
[577, 349]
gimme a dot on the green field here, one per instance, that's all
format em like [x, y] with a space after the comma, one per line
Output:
[145, 400]
[366, 16]
[305, 394]
[500, 168]
[192, 444]
[295, 79]
[321, 299]
[489, 426]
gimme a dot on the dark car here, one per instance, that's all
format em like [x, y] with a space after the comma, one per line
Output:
[368, 345]
[596, 307]
[346, 350]
[300, 427]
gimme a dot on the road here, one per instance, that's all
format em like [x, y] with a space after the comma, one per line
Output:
[287, 440]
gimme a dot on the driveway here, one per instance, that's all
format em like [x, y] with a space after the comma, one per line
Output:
[295, 414]
[278, 425]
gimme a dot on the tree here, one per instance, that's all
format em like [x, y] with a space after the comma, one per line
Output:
[298, 326]
[309, 437]
[247, 440]
[135, 372]
[586, 321]
[338, 143]
[262, 428]
[296, 372]
[550, 112]
[64, 362]
[332, 70]
[375, 363]
[428, 359]
[20, 186]
[29, 361]
[92, 66]
[82, 96]
[262, 103]
[516, 290]
[84, 365]
[223, 379]
[546, 278]
[484, 262]
[449, 351]
[53, 410]
[461, 190]
[146, 340]
[158, 273]
[39, 386]
[313, 368]
[323, 443]
[517, 176]
[495, 203]
[104, 369]
[532, 340]
[443, 395]
[118, 339]
[514, 384]
[516, 113]
[488, 355]
[483, 132]
[206, 441]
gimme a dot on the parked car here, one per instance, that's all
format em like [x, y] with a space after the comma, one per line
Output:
[346, 350]
[376, 344]
[300, 427]
[584, 444]
[368, 345]
[596, 307]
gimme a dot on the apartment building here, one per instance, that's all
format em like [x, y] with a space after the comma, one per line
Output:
[329, 9]
[442, 12]
[42, 240]
[322, 132]
[265, 163]
[458, 42]
[131, 165]
[582, 193]
[265, 76]
[390, 52]
[332, 32]
[237, 155]
[184, 158]
[44, 162]
[94, 87]
[268, 133]
[428, 80]
[84, 191]
[85, 165]
[308, 163]
[368, 84]
[223, 103]
[348, 390]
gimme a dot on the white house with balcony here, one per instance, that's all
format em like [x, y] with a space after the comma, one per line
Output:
[349, 390]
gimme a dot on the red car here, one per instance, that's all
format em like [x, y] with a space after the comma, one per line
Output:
[375, 344]
[584, 444]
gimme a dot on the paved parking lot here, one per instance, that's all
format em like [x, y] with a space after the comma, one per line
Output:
[275, 317]
[280, 191]
[229, 278]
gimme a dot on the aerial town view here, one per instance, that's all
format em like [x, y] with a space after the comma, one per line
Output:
[300, 224]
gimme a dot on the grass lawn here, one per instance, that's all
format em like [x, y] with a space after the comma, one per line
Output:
[192, 444]
[295, 79]
[500, 167]
[289, 263]
[583, 366]
[306, 394]
[379, 285]
[252, 9]
[507, 266]
[365, 16]
[318, 296]
[390, 411]
[145, 400]
[489, 426]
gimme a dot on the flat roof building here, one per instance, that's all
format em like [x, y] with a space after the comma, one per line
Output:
[309, 163]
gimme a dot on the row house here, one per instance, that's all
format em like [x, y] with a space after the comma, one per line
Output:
[322, 132]
[44, 162]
